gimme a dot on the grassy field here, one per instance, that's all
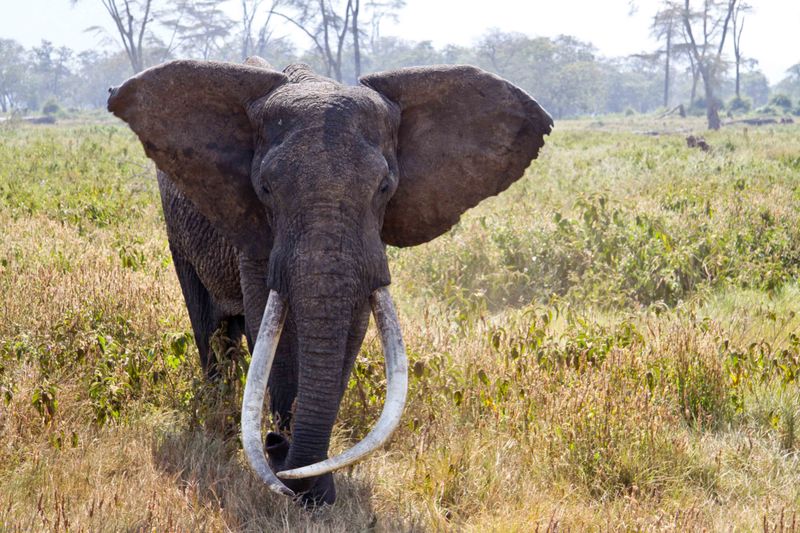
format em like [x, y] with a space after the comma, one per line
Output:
[612, 344]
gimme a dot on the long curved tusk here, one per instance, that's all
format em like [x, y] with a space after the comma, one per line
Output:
[255, 387]
[396, 389]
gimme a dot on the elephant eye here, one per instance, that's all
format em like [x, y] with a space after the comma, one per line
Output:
[265, 188]
[384, 185]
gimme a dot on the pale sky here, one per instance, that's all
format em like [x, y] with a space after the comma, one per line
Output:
[771, 34]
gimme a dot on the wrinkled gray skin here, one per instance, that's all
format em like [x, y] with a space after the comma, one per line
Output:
[292, 182]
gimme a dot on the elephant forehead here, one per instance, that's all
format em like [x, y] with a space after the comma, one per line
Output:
[320, 104]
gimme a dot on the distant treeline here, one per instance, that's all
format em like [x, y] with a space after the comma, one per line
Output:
[564, 73]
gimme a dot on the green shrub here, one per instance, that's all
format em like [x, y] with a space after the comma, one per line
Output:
[51, 108]
[740, 105]
[782, 101]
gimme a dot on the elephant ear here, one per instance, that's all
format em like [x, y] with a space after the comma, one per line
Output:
[464, 135]
[192, 118]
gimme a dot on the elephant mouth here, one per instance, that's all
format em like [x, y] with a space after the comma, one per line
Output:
[258, 375]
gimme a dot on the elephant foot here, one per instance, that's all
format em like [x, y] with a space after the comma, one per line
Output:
[312, 492]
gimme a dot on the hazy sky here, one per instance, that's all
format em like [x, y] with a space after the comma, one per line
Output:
[771, 34]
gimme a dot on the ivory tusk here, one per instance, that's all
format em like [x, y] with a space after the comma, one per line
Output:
[255, 387]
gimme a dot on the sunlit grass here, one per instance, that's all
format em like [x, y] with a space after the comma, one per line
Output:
[612, 343]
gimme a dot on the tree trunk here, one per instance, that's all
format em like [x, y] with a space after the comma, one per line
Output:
[712, 113]
[693, 94]
[703, 59]
[666, 68]
[340, 40]
[246, 31]
[738, 28]
[329, 60]
[56, 83]
[356, 47]
[738, 93]
[124, 22]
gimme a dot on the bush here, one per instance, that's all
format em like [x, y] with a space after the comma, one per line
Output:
[629, 111]
[51, 108]
[781, 100]
[740, 105]
[699, 107]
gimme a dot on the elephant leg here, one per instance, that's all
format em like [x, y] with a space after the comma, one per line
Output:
[283, 376]
[236, 329]
[234, 332]
[204, 315]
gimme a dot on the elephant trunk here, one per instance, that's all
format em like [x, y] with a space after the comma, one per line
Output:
[325, 291]
[322, 305]
[396, 390]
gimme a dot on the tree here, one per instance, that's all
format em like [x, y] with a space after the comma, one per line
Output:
[579, 88]
[198, 26]
[633, 83]
[756, 87]
[501, 50]
[256, 43]
[713, 21]
[355, 9]
[563, 73]
[738, 27]
[666, 25]
[791, 83]
[51, 66]
[794, 71]
[392, 52]
[326, 23]
[378, 10]
[249, 10]
[95, 71]
[329, 23]
[12, 74]
[684, 50]
[530, 63]
[133, 20]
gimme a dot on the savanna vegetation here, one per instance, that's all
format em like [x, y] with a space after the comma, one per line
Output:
[613, 343]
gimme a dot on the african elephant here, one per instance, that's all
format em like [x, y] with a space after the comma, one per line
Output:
[281, 191]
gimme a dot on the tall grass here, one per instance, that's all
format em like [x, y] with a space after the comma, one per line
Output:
[611, 344]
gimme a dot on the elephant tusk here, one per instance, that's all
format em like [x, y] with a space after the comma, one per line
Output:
[396, 390]
[255, 387]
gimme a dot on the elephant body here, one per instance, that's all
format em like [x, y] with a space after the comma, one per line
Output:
[289, 183]
[213, 276]
[207, 265]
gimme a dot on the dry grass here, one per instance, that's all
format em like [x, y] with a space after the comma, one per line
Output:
[550, 389]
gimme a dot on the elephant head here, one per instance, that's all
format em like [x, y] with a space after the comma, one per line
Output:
[314, 179]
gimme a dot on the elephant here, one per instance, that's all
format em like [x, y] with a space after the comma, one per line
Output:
[281, 191]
